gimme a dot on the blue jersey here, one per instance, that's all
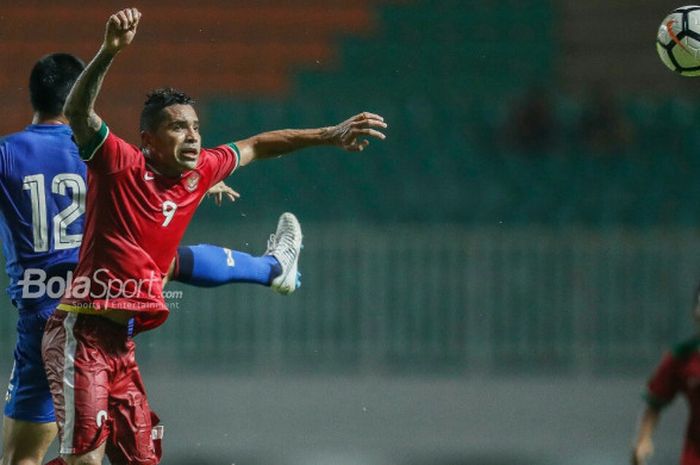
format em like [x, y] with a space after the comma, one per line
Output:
[42, 205]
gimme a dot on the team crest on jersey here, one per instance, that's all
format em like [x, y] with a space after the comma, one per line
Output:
[192, 182]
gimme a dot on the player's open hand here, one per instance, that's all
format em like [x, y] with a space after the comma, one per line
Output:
[219, 190]
[121, 29]
[352, 133]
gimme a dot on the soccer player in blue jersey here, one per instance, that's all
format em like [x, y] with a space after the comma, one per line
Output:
[42, 201]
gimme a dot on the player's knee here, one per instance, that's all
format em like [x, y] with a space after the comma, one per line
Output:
[91, 458]
[9, 460]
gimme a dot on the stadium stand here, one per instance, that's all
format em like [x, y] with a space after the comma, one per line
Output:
[213, 48]
[443, 75]
[447, 81]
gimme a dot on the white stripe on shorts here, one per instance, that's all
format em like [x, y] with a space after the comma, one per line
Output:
[69, 384]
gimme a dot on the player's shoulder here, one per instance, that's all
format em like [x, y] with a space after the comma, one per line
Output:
[222, 155]
[14, 142]
[219, 149]
[685, 349]
[211, 156]
[59, 135]
[15, 137]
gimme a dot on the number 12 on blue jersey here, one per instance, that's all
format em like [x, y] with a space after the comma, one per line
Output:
[68, 184]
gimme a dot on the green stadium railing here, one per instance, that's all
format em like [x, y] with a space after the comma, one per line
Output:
[440, 298]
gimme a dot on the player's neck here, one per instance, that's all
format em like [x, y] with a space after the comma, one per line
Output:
[162, 170]
[40, 118]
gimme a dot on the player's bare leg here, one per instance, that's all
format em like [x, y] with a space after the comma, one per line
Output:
[94, 457]
[26, 443]
[171, 272]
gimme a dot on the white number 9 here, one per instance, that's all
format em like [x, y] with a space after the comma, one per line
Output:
[169, 208]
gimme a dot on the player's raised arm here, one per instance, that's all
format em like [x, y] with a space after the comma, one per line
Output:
[350, 135]
[80, 104]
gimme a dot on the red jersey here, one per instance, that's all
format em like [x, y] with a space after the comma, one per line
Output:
[135, 219]
[679, 371]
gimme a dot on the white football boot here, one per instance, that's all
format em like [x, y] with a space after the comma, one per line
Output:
[285, 246]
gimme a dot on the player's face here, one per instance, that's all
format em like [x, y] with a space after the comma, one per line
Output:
[176, 143]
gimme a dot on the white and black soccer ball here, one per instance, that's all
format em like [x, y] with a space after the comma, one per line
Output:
[678, 40]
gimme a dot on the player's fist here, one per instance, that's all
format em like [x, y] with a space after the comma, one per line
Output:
[121, 29]
[641, 452]
[351, 134]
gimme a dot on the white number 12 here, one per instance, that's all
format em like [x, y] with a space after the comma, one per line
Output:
[37, 194]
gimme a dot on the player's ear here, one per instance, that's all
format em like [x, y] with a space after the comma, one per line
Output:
[146, 141]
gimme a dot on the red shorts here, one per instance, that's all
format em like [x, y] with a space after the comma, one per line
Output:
[97, 389]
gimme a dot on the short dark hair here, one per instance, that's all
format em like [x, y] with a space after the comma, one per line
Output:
[51, 80]
[156, 101]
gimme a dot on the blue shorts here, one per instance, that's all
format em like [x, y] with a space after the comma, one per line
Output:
[28, 397]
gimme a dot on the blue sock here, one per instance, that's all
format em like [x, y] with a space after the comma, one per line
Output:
[207, 265]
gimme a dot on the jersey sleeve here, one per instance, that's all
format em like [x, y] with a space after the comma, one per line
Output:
[664, 384]
[224, 160]
[107, 153]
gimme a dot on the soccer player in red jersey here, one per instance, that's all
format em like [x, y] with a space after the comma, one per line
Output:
[40, 249]
[41, 242]
[678, 372]
[139, 203]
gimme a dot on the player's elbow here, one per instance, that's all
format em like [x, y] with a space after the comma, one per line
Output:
[249, 150]
[73, 110]
[80, 119]
[76, 109]
[73, 113]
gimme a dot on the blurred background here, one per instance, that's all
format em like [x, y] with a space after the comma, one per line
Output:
[492, 284]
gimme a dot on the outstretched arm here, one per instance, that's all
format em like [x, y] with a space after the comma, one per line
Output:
[80, 104]
[644, 446]
[349, 135]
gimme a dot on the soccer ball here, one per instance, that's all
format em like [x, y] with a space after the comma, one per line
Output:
[678, 40]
